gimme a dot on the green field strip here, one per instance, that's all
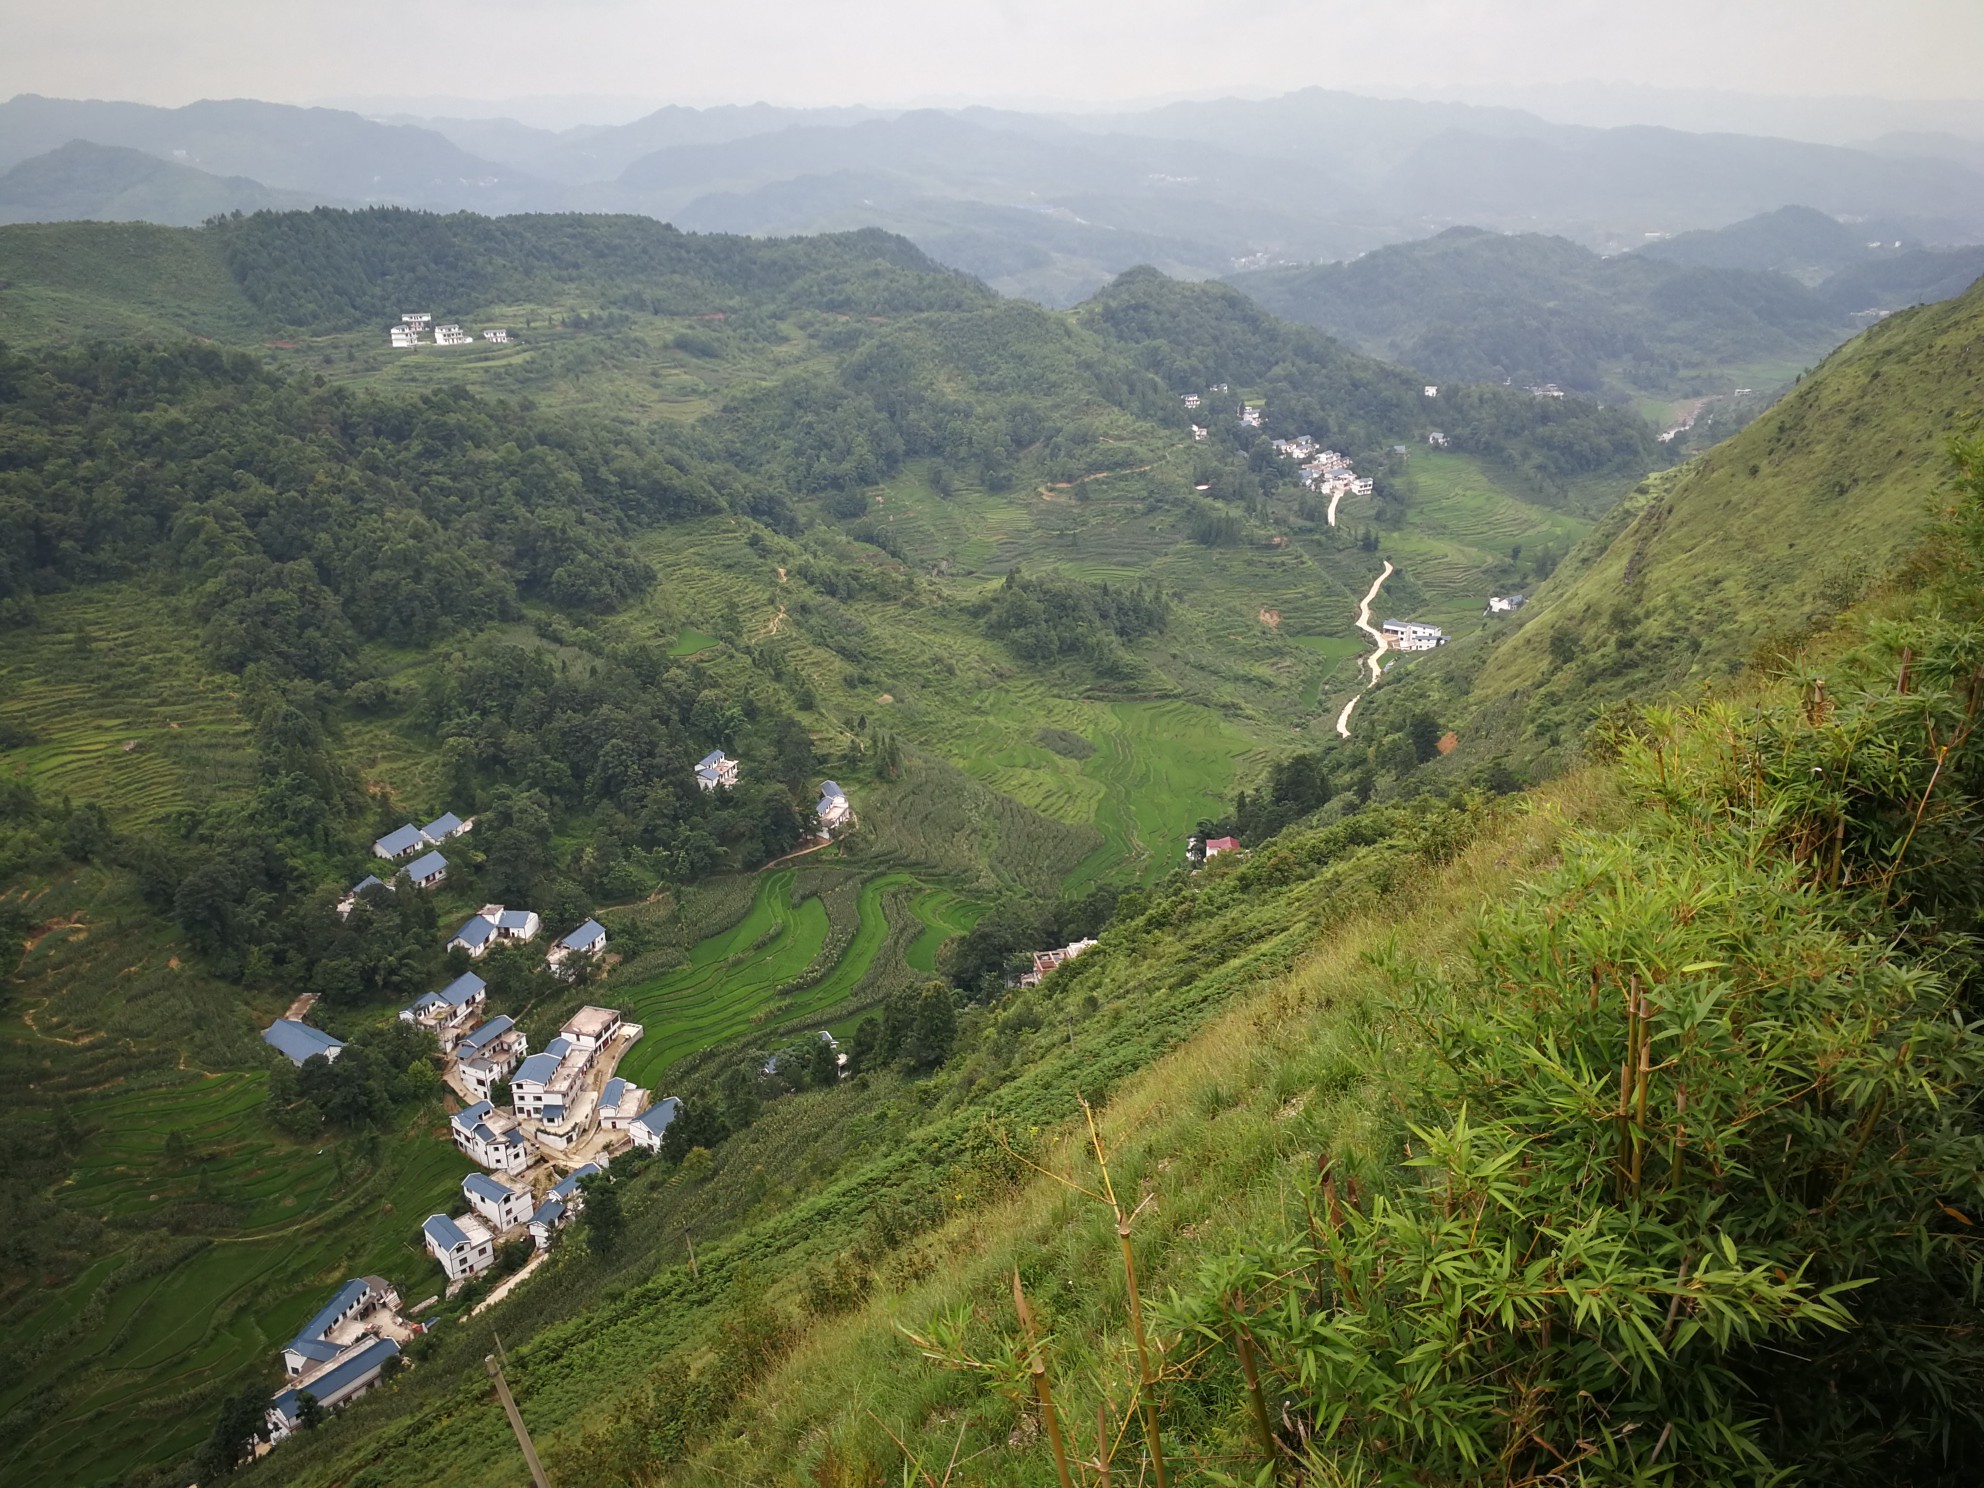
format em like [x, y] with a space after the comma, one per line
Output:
[944, 916]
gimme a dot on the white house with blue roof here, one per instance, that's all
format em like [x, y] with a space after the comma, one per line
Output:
[299, 1042]
[494, 923]
[832, 808]
[648, 1128]
[561, 1204]
[401, 842]
[716, 769]
[451, 1007]
[338, 1324]
[490, 1138]
[445, 826]
[463, 1246]
[427, 870]
[502, 1206]
[620, 1101]
[588, 942]
[344, 1381]
[489, 1054]
[358, 891]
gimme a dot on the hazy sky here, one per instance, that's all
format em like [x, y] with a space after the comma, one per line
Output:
[896, 51]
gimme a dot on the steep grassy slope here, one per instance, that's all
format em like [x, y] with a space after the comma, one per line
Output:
[1729, 557]
[69, 281]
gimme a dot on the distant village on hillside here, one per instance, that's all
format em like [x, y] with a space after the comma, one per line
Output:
[414, 328]
[564, 1115]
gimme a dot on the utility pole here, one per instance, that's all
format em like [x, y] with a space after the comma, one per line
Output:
[537, 1476]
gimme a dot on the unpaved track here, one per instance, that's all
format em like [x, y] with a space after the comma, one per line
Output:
[1376, 658]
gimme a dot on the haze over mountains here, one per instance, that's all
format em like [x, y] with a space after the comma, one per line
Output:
[1041, 205]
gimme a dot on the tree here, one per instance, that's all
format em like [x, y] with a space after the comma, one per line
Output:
[309, 1414]
[933, 1029]
[239, 1427]
[602, 1212]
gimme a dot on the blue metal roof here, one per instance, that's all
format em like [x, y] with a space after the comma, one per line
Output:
[444, 825]
[443, 1231]
[425, 865]
[299, 1041]
[494, 1028]
[476, 932]
[587, 935]
[829, 791]
[559, 1047]
[485, 1187]
[367, 1361]
[331, 1311]
[565, 1187]
[370, 881]
[399, 841]
[611, 1092]
[513, 919]
[467, 1118]
[711, 760]
[539, 1067]
[462, 989]
[549, 1212]
[657, 1116]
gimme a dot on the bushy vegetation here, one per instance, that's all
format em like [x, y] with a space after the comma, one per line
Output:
[1045, 618]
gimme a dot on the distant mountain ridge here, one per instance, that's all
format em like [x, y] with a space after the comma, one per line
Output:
[1050, 207]
[109, 183]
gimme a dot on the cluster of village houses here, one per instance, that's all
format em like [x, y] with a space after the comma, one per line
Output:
[568, 1113]
[414, 329]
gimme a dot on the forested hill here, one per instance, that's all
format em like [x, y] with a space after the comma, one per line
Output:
[334, 270]
[1476, 306]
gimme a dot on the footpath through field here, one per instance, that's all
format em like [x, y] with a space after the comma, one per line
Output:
[1375, 659]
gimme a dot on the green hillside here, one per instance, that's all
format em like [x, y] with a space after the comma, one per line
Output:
[840, 513]
[1475, 306]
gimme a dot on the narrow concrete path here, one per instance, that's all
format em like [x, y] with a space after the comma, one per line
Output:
[1333, 501]
[1375, 660]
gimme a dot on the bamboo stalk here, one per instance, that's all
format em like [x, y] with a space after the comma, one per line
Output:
[1244, 1346]
[1043, 1392]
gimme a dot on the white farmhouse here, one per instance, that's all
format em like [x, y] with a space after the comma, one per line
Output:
[1437, 439]
[451, 335]
[1410, 635]
[833, 809]
[427, 870]
[1506, 604]
[561, 1204]
[490, 1138]
[358, 891]
[405, 336]
[493, 923]
[463, 1246]
[620, 1101]
[496, 333]
[716, 769]
[652, 1125]
[587, 943]
[399, 843]
[489, 1054]
[346, 1379]
[502, 1206]
[448, 1011]
[337, 1325]
[298, 1041]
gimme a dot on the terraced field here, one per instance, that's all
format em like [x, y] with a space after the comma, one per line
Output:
[116, 707]
[224, 1257]
[1463, 521]
[944, 916]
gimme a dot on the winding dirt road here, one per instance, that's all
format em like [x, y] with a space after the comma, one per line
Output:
[1333, 501]
[1376, 658]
